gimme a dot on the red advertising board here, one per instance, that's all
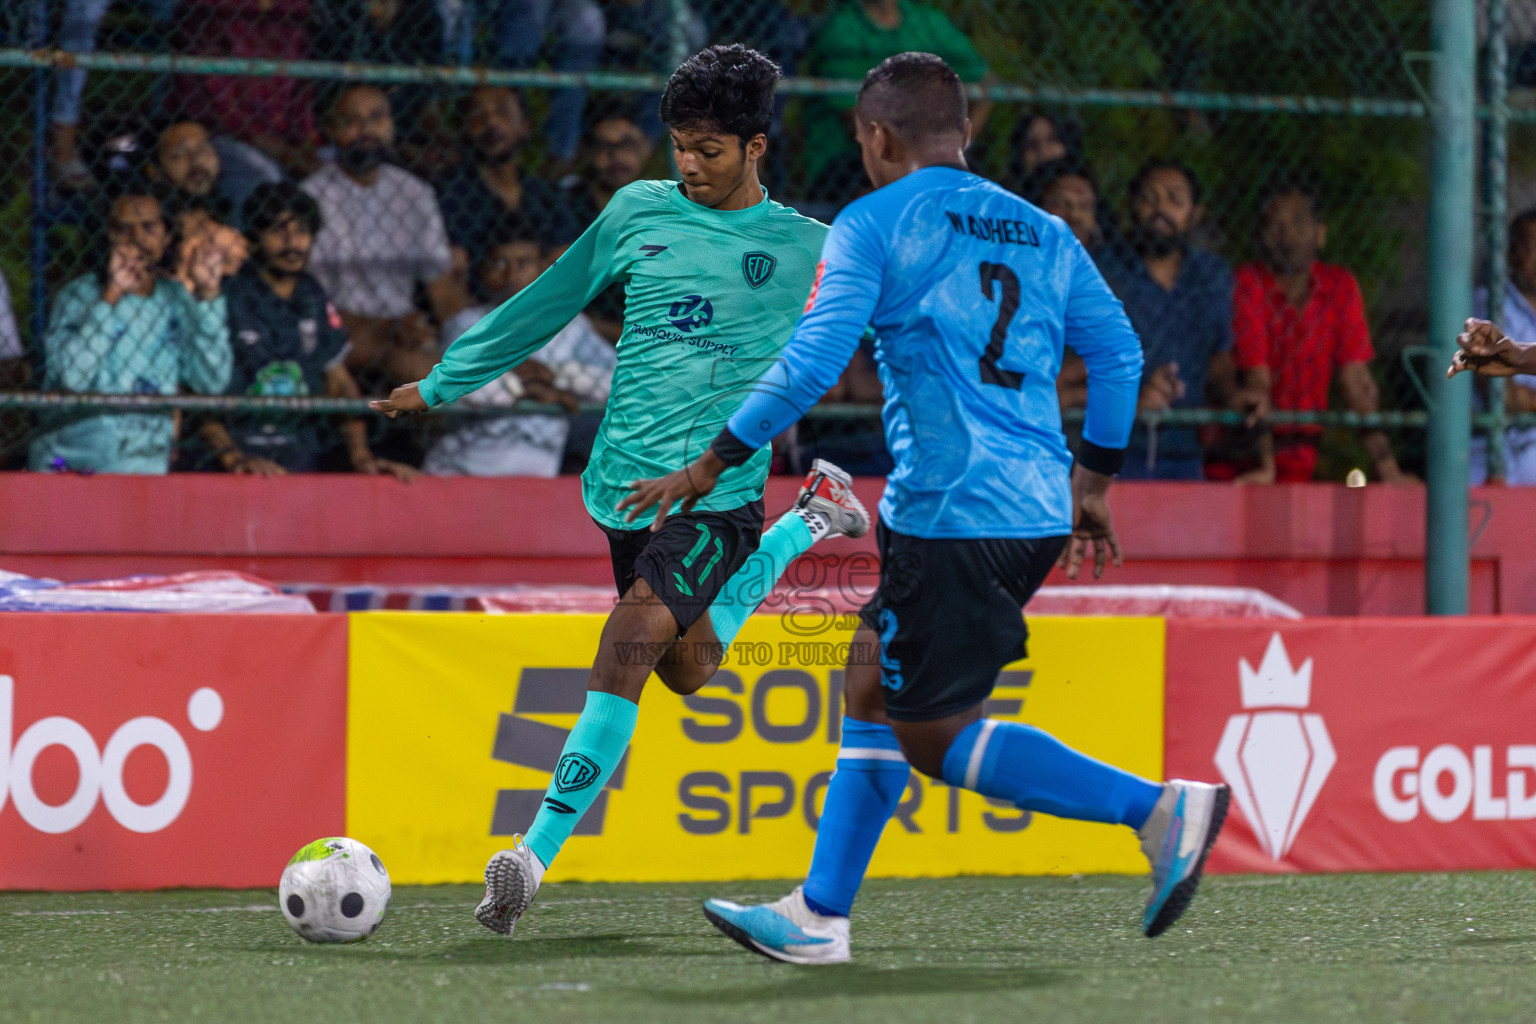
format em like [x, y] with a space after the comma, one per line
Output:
[139, 751]
[1360, 744]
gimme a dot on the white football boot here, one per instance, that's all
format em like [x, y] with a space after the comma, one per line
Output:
[511, 879]
[828, 493]
[786, 930]
[1176, 839]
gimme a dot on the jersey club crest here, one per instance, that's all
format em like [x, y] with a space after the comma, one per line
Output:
[757, 268]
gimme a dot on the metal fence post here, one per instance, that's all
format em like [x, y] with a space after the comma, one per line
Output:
[39, 35]
[1451, 233]
[1496, 203]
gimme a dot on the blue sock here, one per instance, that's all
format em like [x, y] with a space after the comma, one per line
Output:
[1038, 772]
[592, 751]
[783, 542]
[861, 797]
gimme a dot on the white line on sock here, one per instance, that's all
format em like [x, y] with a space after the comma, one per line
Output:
[870, 754]
[973, 767]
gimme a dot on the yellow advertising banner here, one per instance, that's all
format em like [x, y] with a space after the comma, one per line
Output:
[455, 723]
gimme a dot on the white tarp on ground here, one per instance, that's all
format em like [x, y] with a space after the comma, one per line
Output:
[205, 592]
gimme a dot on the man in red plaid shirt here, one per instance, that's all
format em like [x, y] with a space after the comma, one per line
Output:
[1296, 322]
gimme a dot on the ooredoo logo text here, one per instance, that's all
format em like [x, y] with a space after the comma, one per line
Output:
[100, 769]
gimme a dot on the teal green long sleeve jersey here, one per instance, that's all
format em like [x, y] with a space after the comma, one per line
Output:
[711, 298]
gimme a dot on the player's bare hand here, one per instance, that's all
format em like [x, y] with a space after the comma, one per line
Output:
[404, 400]
[204, 262]
[127, 271]
[687, 485]
[1486, 350]
[1093, 529]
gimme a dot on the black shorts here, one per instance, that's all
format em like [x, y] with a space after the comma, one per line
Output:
[689, 559]
[949, 614]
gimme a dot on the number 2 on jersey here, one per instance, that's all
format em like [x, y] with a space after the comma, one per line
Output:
[991, 373]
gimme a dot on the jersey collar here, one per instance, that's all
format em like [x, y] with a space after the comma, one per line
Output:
[693, 209]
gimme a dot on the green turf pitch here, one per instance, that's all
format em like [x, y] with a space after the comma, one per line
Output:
[1334, 948]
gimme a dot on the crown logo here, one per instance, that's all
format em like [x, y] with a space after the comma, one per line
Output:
[1276, 684]
[1274, 755]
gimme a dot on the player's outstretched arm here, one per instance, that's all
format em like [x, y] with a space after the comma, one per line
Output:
[519, 327]
[1489, 352]
[1092, 528]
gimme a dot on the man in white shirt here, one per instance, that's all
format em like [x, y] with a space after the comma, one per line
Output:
[383, 233]
[575, 366]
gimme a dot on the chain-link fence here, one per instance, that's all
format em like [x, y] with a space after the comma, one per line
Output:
[451, 147]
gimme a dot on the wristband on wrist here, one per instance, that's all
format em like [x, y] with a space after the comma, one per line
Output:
[730, 449]
[1101, 460]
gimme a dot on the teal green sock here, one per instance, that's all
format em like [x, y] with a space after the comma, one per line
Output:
[592, 751]
[782, 543]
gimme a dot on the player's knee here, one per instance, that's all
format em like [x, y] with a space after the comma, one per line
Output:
[684, 679]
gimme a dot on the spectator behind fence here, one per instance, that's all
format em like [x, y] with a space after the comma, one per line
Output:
[1066, 188]
[492, 183]
[614, 153]
[288, 342]
[576, 365]
[1179, 299]
[15, 370]
[1038, 139]
[1519, 322]
[197, 228]
[185, 167]
[78, 28]
[273, 114]
[408, 32]
[129, 329]
[859, 35]
[578, 28]
[186, 158]
[1297, 322]
[640, 39]
[775, 30]
[381, 234]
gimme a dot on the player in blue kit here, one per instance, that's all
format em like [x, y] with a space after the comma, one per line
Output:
[972, 294]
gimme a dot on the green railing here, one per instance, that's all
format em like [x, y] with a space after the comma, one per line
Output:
[1241, 89]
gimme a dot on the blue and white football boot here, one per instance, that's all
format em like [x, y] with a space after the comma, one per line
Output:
[786, 930]
[1176, 839]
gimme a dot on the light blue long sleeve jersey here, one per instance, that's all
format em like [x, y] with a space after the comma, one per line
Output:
[972, 293]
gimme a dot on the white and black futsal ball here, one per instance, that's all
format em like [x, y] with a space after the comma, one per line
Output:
[334, 890]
